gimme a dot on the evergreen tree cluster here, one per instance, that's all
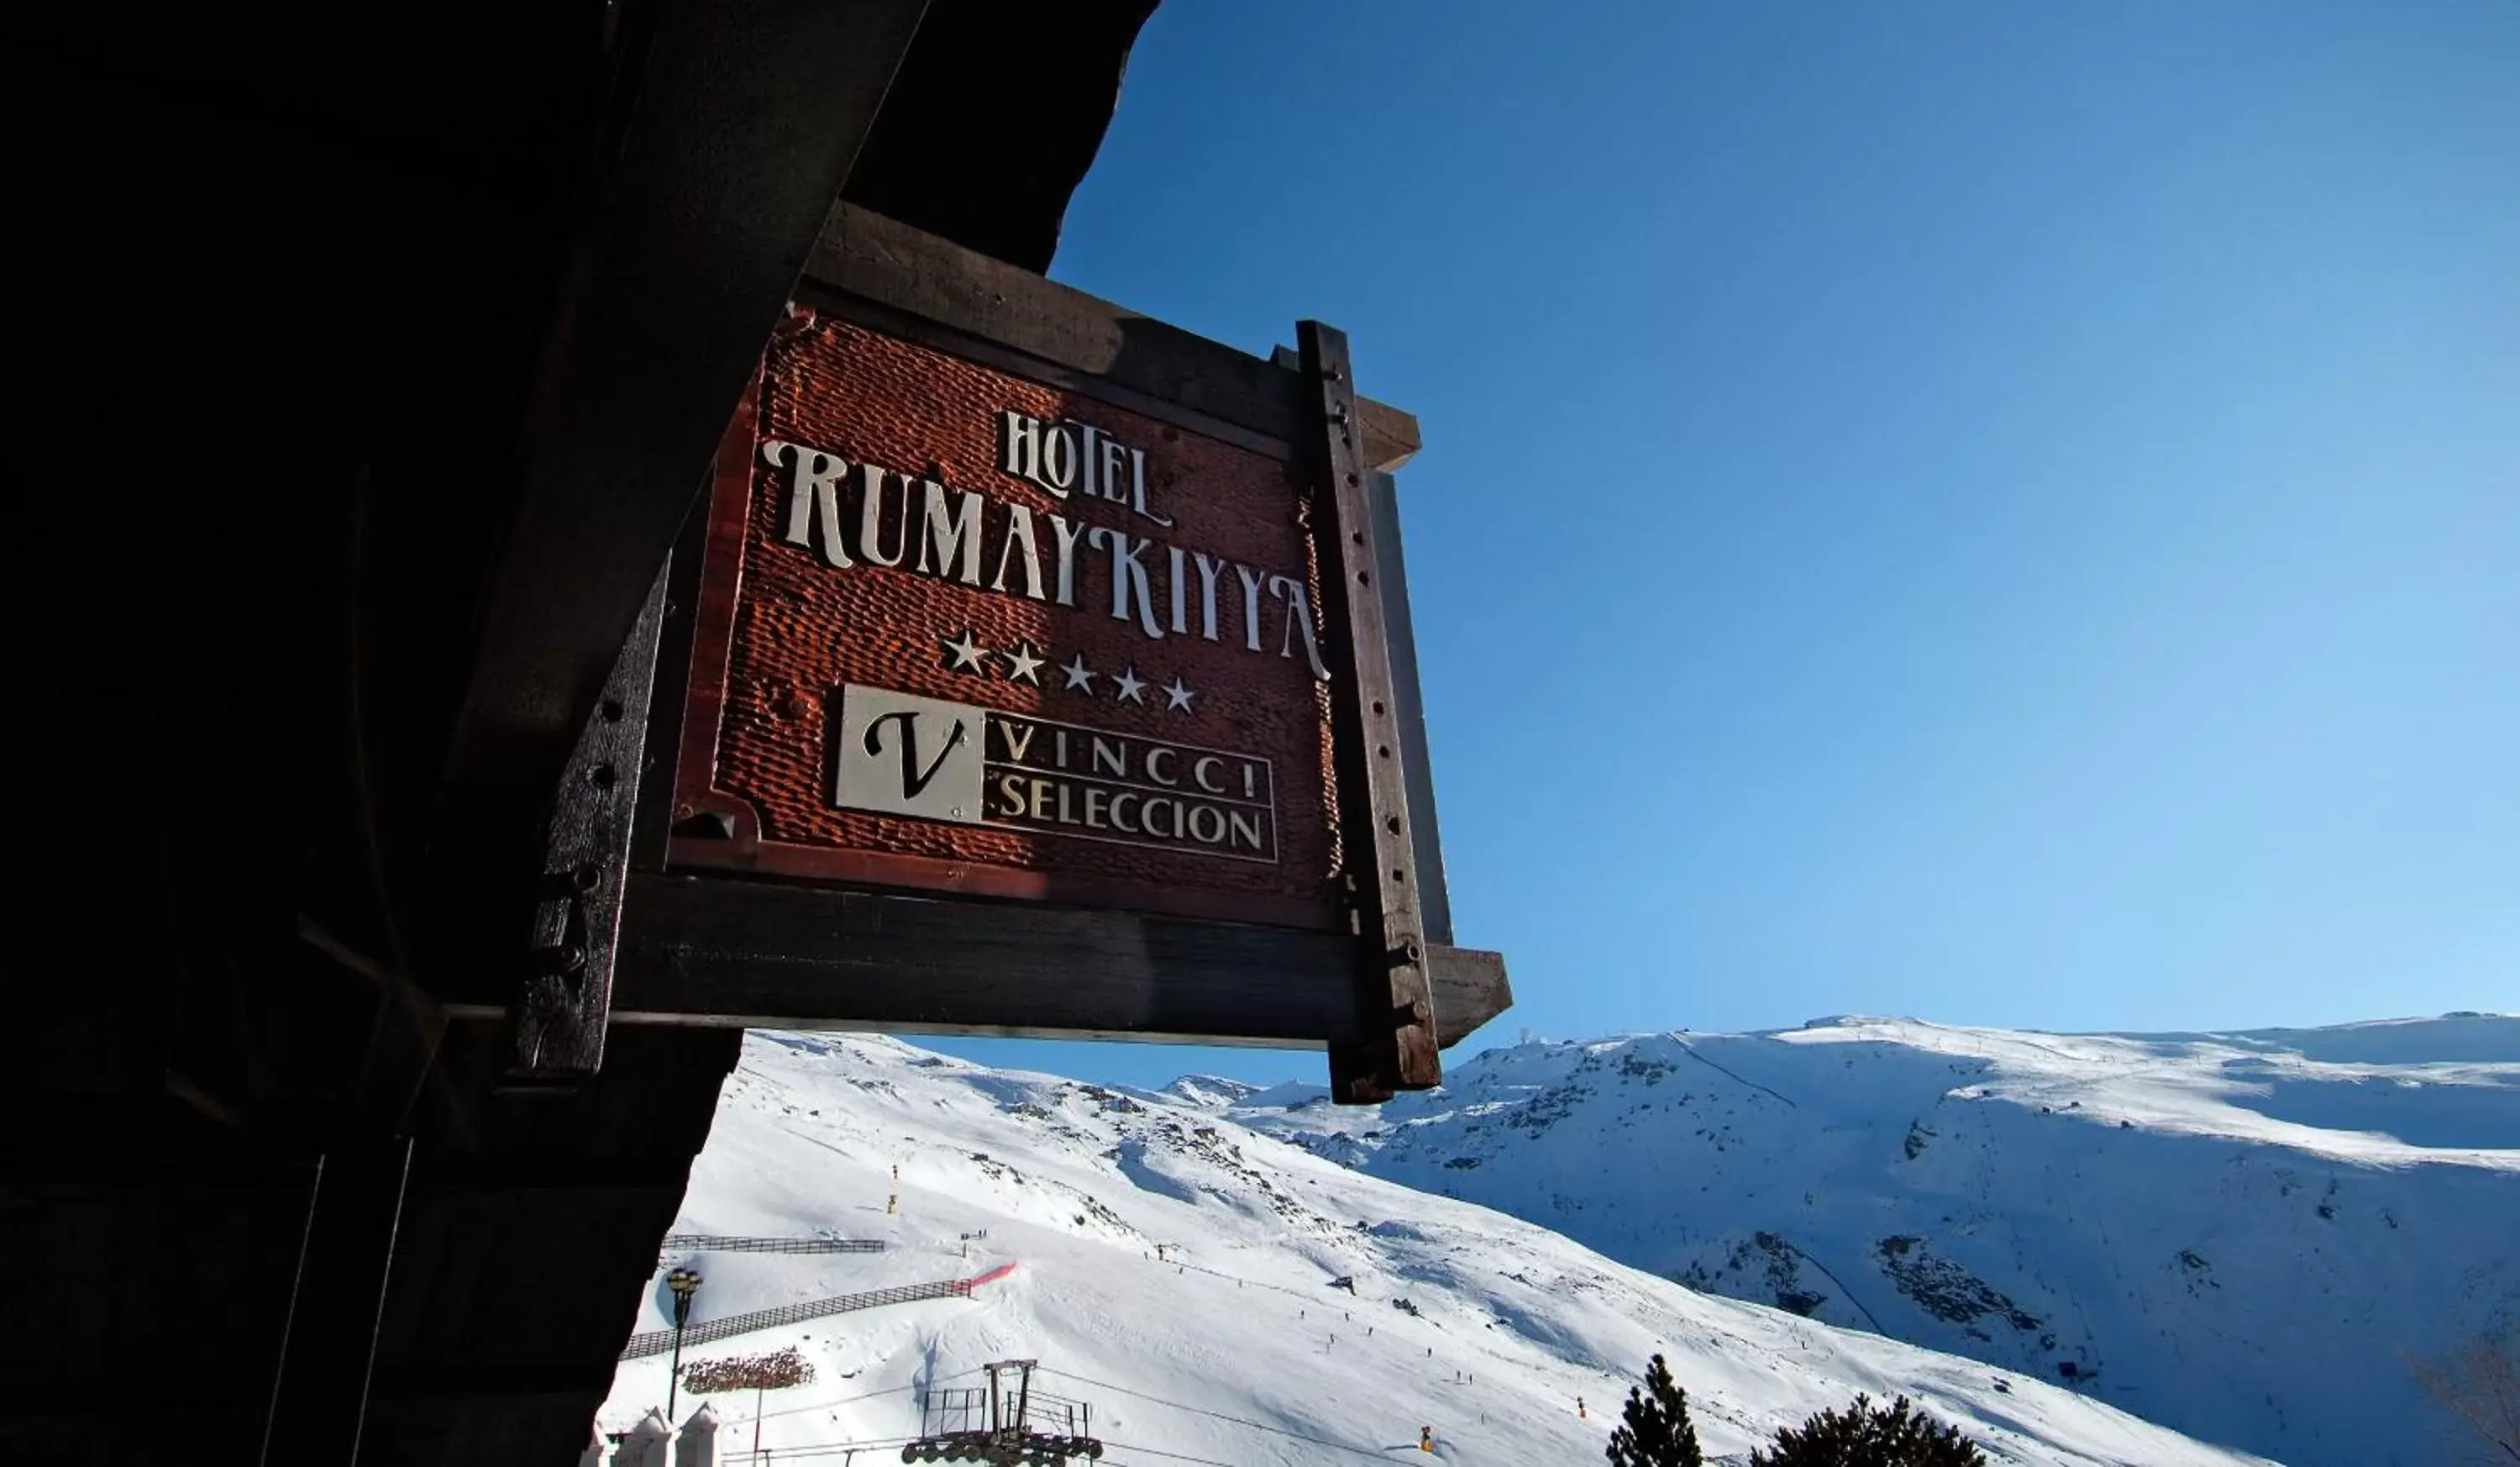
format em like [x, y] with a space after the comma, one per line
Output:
[1654, 1430]
[1867, 1435]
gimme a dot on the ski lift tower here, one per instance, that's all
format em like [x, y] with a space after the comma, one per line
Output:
[994, 1424]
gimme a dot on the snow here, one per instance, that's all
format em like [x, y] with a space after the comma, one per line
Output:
[1215, 1091]
[1238, 1349]
[2245, 1236]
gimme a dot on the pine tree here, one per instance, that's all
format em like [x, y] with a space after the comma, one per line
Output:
[1865, 1434]
[1656, 1431]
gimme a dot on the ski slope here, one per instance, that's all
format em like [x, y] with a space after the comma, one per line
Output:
[2243, 1236]
[1239, 1349]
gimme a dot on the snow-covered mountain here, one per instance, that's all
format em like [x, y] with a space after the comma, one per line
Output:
[1222, 1298]
[2243, 1236]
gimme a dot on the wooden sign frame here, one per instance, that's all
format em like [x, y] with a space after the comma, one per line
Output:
[719, 926]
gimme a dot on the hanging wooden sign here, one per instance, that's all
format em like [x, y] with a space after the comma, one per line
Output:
[1038, 674]
[962, 631]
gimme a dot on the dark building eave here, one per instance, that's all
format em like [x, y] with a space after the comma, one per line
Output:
[295, 296]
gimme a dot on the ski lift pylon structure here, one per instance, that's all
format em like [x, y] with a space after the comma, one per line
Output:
[995, 1424]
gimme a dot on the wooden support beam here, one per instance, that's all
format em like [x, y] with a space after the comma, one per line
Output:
[747, 119]
[1470, 988]
[718, 950]
[985, 301]
[1395, 1048]
[586, 857]
[758, 954]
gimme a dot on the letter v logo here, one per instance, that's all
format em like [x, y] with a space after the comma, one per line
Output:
[903, 755]
[914, 779]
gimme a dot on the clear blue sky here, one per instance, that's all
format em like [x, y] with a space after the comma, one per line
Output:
[2004, 513]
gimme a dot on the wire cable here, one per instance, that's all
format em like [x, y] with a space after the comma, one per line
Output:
[1153, 1452]
[1259, 1426]
[822, 1406]
[771, 1455]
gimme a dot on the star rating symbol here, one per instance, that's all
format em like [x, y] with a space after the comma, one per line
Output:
[1025, 661]
[966, 651]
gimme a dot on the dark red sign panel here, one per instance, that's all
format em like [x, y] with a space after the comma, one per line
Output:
[959, 629]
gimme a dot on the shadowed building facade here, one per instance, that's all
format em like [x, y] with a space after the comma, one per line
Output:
[365, 365]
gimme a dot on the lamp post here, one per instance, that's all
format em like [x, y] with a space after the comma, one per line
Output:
[684, 1283]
